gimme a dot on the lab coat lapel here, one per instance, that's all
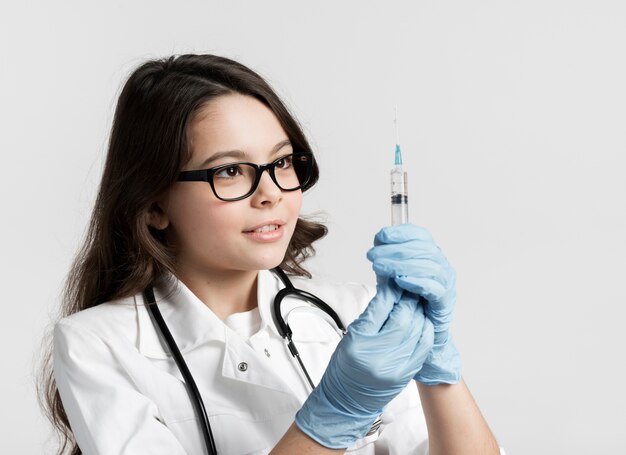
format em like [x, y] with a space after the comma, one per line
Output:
[244, 364]
[192, 324]
[189, 320]
[241, 361]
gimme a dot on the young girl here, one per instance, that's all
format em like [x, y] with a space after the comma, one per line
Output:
[199, 203]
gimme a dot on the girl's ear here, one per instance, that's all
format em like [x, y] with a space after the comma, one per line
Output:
[157, 218]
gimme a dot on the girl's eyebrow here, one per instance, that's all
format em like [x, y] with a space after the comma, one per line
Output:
[239, 154]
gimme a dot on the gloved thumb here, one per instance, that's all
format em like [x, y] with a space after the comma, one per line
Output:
[378, 309]
[430, 289]
[401, 233]
[425, 344]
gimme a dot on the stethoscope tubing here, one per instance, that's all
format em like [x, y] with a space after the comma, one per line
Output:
[190, 383]
[282, 327]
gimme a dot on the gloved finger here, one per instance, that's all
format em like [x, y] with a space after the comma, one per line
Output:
[378, 309]
[424, 345]
[406, 317]
[440, 319]
[395, 342]
[401, 233]
[415, 268]
[430, 289]
[411, 249]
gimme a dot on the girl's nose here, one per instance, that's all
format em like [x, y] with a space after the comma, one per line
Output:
[267, 193]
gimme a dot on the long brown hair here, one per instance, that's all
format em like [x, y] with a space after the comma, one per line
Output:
[121, 254]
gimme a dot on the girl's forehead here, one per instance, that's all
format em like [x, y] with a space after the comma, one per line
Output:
[233, 122]
[233, 112]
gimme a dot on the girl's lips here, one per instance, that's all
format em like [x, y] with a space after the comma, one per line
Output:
[265, 224]
[267, 236]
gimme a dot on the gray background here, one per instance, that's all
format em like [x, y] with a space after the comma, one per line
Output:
[512, 122]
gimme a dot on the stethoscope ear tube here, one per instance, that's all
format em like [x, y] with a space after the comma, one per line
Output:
[192, 389]
[283, 328]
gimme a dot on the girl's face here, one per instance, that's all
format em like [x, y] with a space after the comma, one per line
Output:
[213, 236]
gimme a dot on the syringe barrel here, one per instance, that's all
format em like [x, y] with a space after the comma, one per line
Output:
[399, 197]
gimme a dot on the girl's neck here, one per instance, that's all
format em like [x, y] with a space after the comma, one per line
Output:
[224, 292]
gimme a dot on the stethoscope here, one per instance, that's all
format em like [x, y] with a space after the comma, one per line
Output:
[281, 325]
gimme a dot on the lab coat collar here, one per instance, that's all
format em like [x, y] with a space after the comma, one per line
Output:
[189, 320]
[268, 285]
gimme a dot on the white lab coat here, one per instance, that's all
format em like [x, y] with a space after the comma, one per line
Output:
[123, 393]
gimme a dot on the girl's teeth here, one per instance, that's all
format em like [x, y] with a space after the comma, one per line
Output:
[269, 227]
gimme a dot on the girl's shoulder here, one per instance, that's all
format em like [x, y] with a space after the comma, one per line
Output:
[106, 320]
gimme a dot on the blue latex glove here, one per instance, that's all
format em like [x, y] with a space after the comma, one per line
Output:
[408, 255]
[381, 352]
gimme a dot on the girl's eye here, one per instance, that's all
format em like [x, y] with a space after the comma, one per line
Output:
[284, 163]
[228, 172]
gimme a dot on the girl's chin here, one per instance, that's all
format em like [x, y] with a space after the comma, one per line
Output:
[269, 263]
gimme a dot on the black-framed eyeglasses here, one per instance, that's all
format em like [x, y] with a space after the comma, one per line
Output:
[236, 181]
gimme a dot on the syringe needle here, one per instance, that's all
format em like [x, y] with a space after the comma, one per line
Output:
[395, 121]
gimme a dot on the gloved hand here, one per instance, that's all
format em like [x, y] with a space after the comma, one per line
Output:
[408, 255]
[381, 352]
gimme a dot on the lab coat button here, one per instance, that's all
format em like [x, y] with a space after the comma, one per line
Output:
[243, 366]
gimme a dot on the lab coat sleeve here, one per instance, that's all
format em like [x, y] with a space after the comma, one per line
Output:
[106, 411]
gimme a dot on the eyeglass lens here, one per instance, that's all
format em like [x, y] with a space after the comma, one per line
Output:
[235, 180]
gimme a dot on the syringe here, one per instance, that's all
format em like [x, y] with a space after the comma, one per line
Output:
[399, 192]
